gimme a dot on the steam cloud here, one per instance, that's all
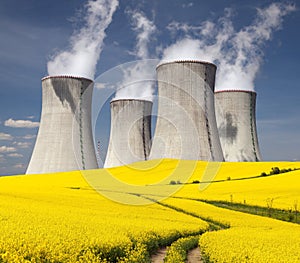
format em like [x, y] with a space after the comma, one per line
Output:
[144, 28]
[87, 43]
[138, 77]
[237, 54]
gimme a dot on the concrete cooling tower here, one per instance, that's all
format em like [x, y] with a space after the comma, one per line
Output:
[186, 125]
[130, 134]
[64, 140]
[235, 113]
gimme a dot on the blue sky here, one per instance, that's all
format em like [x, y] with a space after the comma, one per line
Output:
[33, 30]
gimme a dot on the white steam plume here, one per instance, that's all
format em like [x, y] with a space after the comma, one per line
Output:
[138, 77]
[87, 43]
[144, 28]
[237, 54]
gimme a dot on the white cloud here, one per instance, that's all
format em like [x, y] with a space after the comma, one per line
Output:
[22, 144]
[5, 136]
[7, 149]
[15, 155]
[29, 136]
[174, 27]
[19, 166]
[21, 123]
[30, 117]
[187, 5]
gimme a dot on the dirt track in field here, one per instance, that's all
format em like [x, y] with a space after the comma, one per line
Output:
[194, 256]
[159, 256]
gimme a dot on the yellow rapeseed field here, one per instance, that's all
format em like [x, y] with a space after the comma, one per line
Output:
[109, 215]
[59, 218]
[283, 189]
[250, 238]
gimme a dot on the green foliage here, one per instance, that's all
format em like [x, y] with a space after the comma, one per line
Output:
[275, 170]
[280, 214]
[174, 182]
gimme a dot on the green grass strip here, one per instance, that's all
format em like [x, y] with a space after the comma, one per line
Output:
[292, 215]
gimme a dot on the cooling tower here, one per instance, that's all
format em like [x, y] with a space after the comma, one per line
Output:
[64, 140]
[130, 133]
[186, 125]
[235, 113]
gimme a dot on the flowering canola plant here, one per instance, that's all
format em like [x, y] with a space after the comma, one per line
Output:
[249, 238]
[283, 189]
[62, 217]
[59, 218]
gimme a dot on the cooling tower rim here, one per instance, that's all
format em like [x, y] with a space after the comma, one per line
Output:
[186, 61]
[235, 90]
[65, 77]
[142, 100]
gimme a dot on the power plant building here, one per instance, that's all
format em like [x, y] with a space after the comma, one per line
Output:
[64, 140]
[130, 134]
[236, 120]
[186, 125]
